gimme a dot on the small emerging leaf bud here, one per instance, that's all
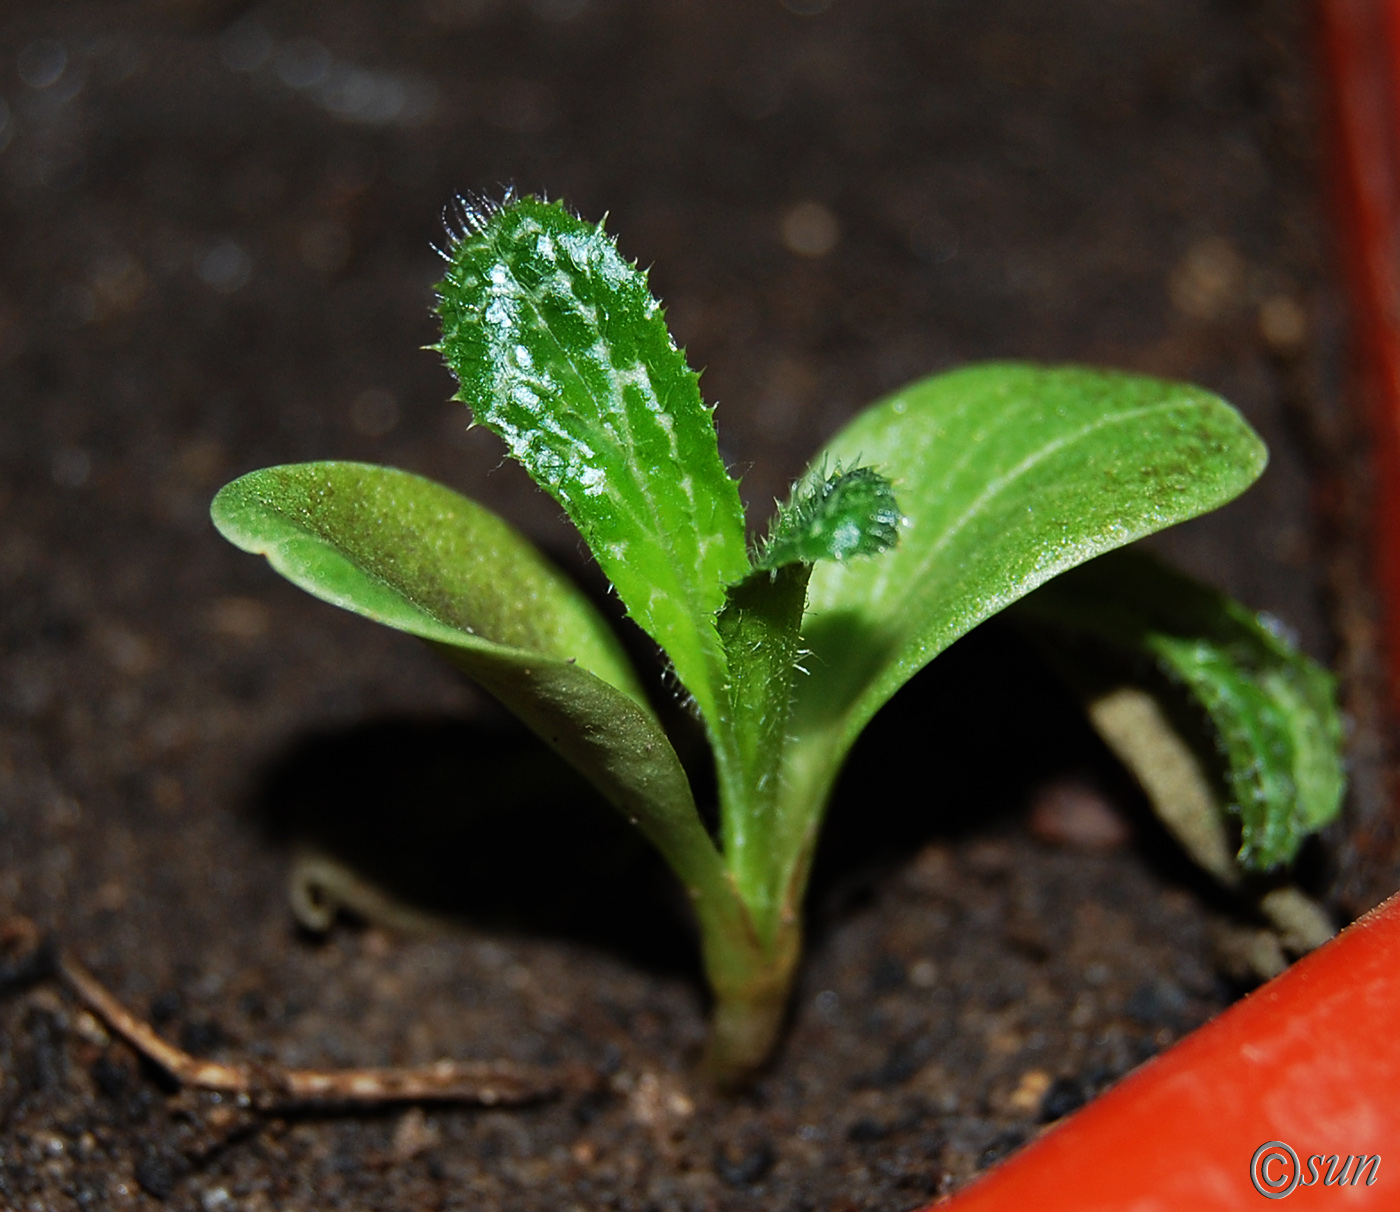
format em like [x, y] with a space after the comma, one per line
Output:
[833, 517]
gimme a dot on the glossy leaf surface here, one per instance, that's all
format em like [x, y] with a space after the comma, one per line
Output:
[1272, 710]
[1007, 475]
[420, 558]
[560, 348]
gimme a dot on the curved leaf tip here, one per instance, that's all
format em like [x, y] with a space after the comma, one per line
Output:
[416, 556]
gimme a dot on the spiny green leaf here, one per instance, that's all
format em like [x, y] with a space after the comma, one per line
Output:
[1272, 710]
[560, 348]
[1279, 733]
[833, 517]
[1007, 474]
[418, 557]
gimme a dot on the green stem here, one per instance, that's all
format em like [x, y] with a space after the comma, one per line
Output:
[759, 627]
[752, 985]
[751, 937]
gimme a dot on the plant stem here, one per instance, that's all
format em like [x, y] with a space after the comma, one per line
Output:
[759, 627]
[753, 939]
[752, 986]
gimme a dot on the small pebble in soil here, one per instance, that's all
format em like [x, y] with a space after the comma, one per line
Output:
[866, 1131]
[25, 955]
[585, 1152]
[164, 1007]
[810, 229]
[742, 1163]
[202, 1036]
[923, 974]
[159, 1173]
[1283, 323]
[591, 1105]
[110, 1077]
[1030, 1091]
[902, 1061]
[1000, 1147]
[47, 1063]
[1070, 812]
[1157, 1004]
[413, 1134]
[887, 975]
[86, 1027]
[1065, 1094]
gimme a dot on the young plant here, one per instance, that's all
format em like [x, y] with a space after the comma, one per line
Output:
[928, 513]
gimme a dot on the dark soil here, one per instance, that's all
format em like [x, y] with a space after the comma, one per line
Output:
[217, 225]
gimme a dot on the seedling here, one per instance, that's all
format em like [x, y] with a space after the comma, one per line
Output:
[928, 513]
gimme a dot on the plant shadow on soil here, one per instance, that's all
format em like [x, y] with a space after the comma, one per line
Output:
[483, 824]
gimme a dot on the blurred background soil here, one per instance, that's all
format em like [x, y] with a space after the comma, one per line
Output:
[218, 224]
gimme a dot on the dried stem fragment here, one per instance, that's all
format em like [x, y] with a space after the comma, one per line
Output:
[271, 1087]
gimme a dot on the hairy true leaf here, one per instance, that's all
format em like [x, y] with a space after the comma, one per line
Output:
[1007, 474]
[560, 348]
[833, 517]
[420, 558]
[1272, 710]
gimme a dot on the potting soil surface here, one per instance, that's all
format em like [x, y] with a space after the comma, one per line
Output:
[218, 224]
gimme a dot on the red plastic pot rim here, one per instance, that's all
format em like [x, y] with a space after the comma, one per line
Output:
[1310, 1063]
[1360, 52]
[1256, 1105]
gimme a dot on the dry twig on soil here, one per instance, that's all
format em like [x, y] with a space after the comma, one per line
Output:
[271, 1087]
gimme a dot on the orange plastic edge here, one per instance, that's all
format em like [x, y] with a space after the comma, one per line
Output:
[1310, 1061]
